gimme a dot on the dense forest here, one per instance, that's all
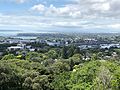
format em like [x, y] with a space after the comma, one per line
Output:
[58, 69]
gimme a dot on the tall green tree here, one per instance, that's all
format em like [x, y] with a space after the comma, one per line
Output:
[70, 51]
[64, 52]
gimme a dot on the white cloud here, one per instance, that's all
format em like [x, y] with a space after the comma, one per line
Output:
[101, 7]
[68, 10]
[86, 14]
[115, 26]
[38, 22]
[38, 7]
[85, 9]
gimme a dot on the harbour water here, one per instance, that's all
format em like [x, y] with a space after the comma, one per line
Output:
[13, 33]
[8, 33]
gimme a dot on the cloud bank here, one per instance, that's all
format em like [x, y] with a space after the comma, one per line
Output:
[80, 14]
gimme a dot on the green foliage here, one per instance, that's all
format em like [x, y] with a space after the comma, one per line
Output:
[70, 51]
[95, 75]
[77, 59]
[9, 56]
[20, 74]
[36, 57]
[61, 81]
[31, 55]
[64, 52]
[94, 57]
[59, 70]
[52, 54]
[59, 67]
[9, 80]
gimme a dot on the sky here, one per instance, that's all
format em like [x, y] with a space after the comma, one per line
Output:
[60, 15]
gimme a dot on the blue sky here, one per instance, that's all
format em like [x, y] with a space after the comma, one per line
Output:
[61, 15]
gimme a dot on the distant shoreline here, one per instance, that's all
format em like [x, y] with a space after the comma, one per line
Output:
[23, 33]
[10, 30]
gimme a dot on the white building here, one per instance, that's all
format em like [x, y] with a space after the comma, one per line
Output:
[108, 46]
[32, 50]
[15, 48]
[18, 47]
[53, 43]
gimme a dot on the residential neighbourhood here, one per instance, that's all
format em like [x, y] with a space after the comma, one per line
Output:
[42, 44]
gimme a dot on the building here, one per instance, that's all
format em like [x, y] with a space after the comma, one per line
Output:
[18, 47]
[13, 48]
[108, 46]
[53, 43]
[32, 50]
[87, 46]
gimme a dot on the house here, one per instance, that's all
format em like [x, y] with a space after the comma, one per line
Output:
[13, 41]
[87, 46]
[32, 50]
[108, 46]
[24, 41]
[28, 47]
[105, 46]
[83, 46]
[41, 41]
[18, 47]
[53, 43]
[13, 48]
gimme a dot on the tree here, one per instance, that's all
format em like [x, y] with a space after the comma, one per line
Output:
[34, 56]
[64, 52]
[9, 56]
[77, 50]
[94, 57]
[36, 86]
[59, 67]
[31, 55]
[61, 81]
[104, 78]
[77, 59]
[41, 83]
[70, 51]
[27, 85]
[9, 80]
[52, 54]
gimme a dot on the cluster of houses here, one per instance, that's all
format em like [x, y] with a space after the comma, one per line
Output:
[108, 46]
[82, 44]
[24, 44]
[20, 46]
[101, 46]
[16, 40]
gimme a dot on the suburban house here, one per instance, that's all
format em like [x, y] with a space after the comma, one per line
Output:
[108, 46]
[12, 48]
[18, 47]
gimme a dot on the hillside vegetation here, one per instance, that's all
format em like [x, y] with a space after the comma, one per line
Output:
[27, 75]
